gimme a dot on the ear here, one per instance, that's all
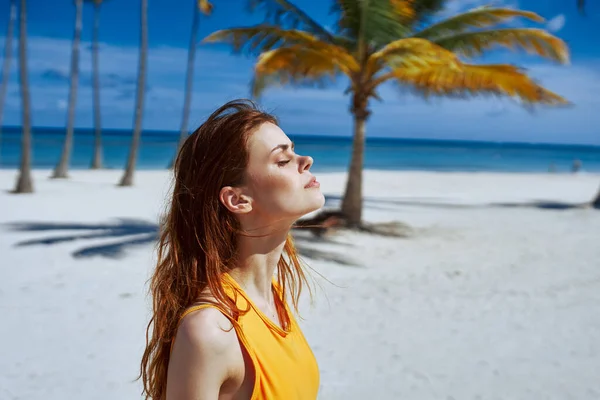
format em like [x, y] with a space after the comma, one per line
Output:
[234, 200]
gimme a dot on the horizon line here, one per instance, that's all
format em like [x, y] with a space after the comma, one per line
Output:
[330, 136]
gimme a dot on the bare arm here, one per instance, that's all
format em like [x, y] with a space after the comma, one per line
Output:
[205, 353]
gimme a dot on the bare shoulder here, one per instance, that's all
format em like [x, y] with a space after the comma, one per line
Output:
[205, 356]
[207, 331]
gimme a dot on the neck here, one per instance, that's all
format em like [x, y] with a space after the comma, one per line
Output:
[256, 263]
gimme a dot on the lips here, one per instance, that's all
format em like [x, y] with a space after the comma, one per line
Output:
[312, 183]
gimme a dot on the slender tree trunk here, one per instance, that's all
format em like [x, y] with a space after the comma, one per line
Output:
[63, 165]
[596, 201]
[8, 48]
[24, 182]
[189, 80]
[127, 179]
[352, 202]
[97, 159]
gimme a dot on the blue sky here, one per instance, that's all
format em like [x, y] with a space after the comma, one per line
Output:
[221, 76]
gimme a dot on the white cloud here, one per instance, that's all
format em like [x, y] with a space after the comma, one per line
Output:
[220, 77]
[217, 76]
[556, 23]
[476, 118]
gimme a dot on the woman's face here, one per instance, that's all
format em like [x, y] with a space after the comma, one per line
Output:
[279, 183]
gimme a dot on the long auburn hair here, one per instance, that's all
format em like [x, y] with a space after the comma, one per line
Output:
[198, 234]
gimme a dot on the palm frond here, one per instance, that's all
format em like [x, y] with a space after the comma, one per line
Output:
[297, 65]
[472, 80]
[412, 12]
[409, 53]
[286, 14]
[260, 38]
[405, 10]
[377, 22]
[205, 7]
[479, 17]
[534, 41]
[425, 9]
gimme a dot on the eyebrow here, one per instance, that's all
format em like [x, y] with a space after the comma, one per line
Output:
[283, 147]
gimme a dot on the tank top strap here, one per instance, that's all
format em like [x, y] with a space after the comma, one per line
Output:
[199, 307]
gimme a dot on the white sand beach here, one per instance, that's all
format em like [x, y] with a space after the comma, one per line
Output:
[495, 295]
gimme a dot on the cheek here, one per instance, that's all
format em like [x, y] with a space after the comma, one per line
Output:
[275, 187]
[279, 182]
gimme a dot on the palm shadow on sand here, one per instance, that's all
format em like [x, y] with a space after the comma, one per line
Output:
[125, 233]
[121, 235]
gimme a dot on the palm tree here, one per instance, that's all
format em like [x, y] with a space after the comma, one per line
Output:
[60, 171]
[97, 158]
[127, 179]
[24, 182]
[8, 48]
[595, 203]
[205, 7]
[378, 41]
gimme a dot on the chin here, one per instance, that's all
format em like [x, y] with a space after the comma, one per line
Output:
[309, 204]
[321, 199]
[318, 202]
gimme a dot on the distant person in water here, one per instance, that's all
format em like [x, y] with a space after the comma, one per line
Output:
[221, 327]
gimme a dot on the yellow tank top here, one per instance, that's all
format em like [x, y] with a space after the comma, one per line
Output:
[285, 366]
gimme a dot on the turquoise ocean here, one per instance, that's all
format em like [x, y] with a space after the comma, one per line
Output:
[330, 153]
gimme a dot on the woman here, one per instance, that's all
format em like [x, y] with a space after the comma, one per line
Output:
[221, 327]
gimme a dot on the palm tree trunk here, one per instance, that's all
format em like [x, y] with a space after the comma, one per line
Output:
[63, 165]
[8, 48]
[24, 182]
[97, 159]
[127, 179]
[352, 202]
[189, 79]
[596, 201]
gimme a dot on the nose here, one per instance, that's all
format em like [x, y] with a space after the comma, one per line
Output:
[305, 163]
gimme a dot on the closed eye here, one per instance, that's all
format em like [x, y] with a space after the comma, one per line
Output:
[283, 163]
